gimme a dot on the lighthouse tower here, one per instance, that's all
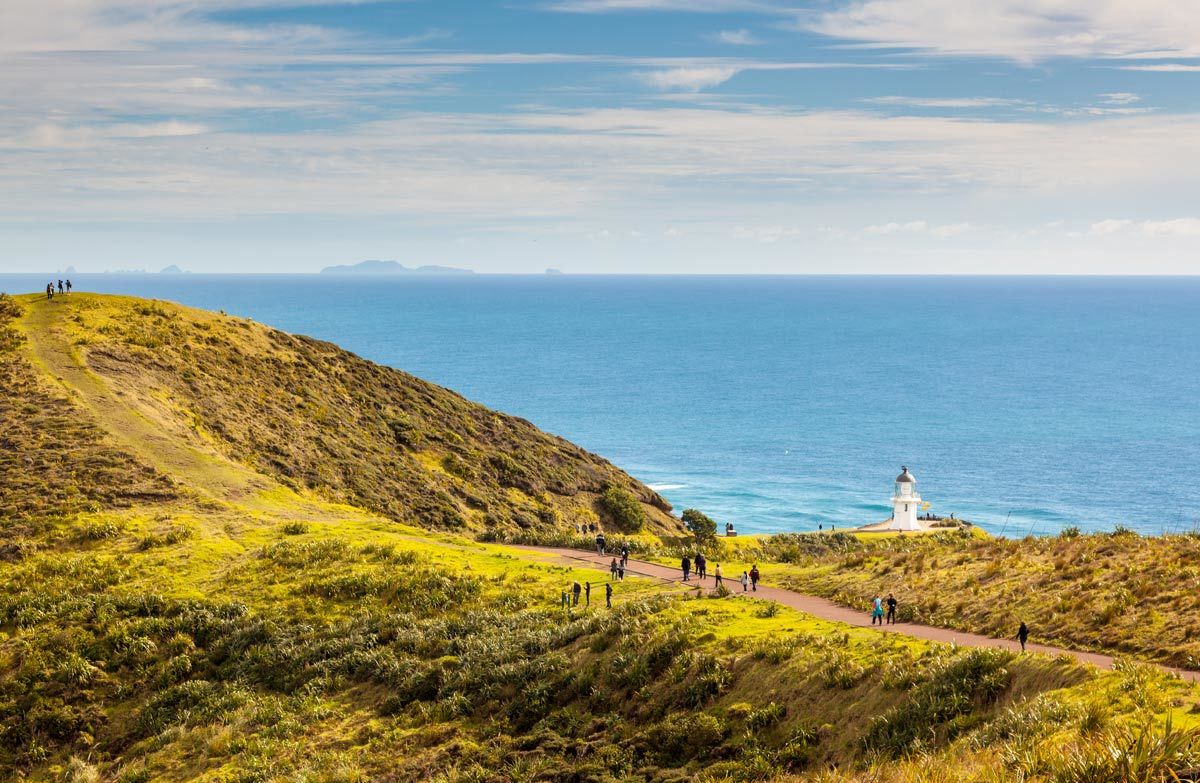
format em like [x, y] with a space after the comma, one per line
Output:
[905, 502]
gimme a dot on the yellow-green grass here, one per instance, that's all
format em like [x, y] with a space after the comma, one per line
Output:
[240, 627]
[1119, 593]
[227, 402]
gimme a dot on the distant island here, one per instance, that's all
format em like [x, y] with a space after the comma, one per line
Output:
[392, 268]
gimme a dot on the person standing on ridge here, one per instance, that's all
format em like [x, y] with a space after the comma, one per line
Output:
[575, 590]
[754, 578]
[877, 610]
[717, 575]
[745, 581]
[1023, 635]
[686, 566]
[608, 595]
[587, 593]
[60, 287]
[68, 286]
[891, 609]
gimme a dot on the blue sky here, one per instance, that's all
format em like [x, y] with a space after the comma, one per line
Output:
[883, 136]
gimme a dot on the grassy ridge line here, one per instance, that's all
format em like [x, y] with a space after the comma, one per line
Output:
[54, 459]
[321, 420]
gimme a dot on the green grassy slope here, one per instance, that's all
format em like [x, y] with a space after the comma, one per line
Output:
[320, 419]
[187, 612]
[1110, 592]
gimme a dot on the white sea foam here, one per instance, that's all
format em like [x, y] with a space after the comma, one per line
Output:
[665, 487]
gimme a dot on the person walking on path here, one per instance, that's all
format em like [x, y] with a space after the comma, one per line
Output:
[1023, 635]
[608, 595]
[575, 590]
[891, 607]
[60, 287]
[745, 581]
[612, 569]
[701, 566]
[587, 593]
[876, 610]
[686, 566]
[600, 544]
[754, 578]
[620, 572]
[717, 574]
[624, 554]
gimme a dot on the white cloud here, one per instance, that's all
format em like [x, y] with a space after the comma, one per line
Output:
[691, 79]
[1022, 30]
[1119, 98]
[920, 227]
[943, 103]
[766, 235]
[1179, 227]
[1109, 227]
[677, 163]
[54, 136]
[1162, 68]
[741, 37]
[690, 6]
[714, 72]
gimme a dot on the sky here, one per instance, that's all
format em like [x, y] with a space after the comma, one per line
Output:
[602, 136]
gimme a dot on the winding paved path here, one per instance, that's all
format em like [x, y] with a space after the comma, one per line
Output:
[828, 610]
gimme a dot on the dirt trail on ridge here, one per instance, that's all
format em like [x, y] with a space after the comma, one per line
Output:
[828, 610]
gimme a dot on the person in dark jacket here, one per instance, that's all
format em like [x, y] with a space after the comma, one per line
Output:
[608, 595]
[575, 590]
[1023, 635]
[701, 566]
[686, 565]
[891, 607]
[587, 593]
[754, 578]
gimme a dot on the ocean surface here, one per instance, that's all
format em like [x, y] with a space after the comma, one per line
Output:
[780, 404]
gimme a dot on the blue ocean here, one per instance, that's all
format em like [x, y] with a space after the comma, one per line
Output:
[785, 403]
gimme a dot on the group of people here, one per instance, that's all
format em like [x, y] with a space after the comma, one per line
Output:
[64, 287]
[748, 580]
[877, 605]
[616, 568]
[572, 598]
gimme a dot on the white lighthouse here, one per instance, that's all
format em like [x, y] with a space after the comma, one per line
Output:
[905, 502]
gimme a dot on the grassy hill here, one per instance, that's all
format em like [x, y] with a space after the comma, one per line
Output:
[319, 419]
[229, 554]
